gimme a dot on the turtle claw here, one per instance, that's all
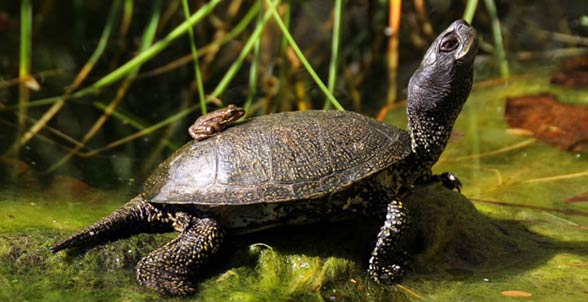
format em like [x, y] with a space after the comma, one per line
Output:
[450, 181]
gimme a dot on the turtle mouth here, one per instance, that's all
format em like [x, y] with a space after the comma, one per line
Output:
[469, 42]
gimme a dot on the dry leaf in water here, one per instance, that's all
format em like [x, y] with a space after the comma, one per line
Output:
[555, 123]
[572, 73]
[582, 197]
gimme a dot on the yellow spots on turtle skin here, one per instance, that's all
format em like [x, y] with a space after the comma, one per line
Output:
[388, 259]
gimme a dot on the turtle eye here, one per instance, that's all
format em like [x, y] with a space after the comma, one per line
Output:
[449, 44]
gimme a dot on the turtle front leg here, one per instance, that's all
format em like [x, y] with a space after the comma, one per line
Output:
[388, 261]
[172, 268]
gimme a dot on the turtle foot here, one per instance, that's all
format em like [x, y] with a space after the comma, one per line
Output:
[165, 280]
[448, 179]
[172, 268]
[388, 274]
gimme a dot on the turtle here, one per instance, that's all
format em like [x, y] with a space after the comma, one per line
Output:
[296, 168]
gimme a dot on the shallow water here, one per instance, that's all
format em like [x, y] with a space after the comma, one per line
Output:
[532, 176]
[522, 241]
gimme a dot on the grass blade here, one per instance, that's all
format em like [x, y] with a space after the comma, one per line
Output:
[194, 50]
[256, 35]
[147, 40]
[497, 33]
[26, 24]
[254, 66]
[337, 12]
[151, 52]
[81, 76]
[395, 8]
[303, 59]
[470, 10]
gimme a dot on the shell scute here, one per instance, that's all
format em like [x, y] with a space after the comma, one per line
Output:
[278, 157]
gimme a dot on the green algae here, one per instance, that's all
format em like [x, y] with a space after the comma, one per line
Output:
[463, 251]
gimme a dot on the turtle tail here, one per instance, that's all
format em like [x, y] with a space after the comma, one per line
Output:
[134, 217]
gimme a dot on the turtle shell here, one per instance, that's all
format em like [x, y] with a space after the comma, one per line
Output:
[277, 158]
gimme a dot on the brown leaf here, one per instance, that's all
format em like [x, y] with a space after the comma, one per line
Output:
[555, 123]
[572, 73]
[516, 293]
[582, 197]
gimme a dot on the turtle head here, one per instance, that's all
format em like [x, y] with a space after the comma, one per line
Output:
[439, 88]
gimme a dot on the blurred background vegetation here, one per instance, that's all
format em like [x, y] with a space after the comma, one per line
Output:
[102, 91]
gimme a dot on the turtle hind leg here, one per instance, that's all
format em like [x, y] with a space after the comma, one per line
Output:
[172, 268]
[389, 260]
[134, 217]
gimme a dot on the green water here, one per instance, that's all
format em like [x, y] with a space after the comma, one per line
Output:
[472, 254]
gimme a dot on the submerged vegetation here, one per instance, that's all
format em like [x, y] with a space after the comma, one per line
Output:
[94, 94]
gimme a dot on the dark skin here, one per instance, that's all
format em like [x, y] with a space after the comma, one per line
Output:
[262, 150]
[214, 122]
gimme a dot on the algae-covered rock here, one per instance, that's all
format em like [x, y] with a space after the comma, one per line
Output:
[450, 235]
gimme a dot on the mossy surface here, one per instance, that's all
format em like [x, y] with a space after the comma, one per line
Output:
[464, 248]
